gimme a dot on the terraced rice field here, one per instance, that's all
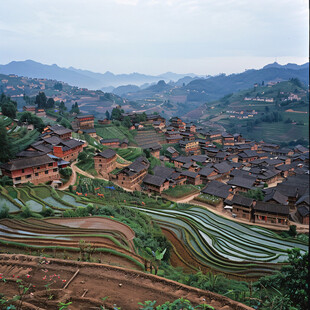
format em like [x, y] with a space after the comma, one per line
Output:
[112, 241]
[37, 198]
[149, 136]
[130, 153]
[224, 245]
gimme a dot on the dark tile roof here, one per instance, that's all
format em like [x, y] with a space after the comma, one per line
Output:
[59, 130]
[102, 141]
[301, 149]
[206, 171]
[217, 189]
[189, 174]
[84, 116]
[151, 146]
[134, 168]
[242, 182]
[284, 167]
[108, 153]
[27, 162]
[154, 180]
[91, 130]
[226, 135]
[277, 196]
[164, 172]
[183, 159]
[303, 199]
[240, 200]
[271, 208]
[199, 158]
[222, 167]
[172, 150]
[29, 153]
[248, 154]
[303, 211]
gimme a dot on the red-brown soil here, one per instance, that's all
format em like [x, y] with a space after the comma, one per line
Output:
[94, 223]
[124, 287]
[93, 227]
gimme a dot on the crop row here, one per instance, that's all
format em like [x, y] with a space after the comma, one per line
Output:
[225, 245]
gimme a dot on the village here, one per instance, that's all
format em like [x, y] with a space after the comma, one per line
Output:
[255, 182]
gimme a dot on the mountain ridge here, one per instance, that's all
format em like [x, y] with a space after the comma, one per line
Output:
[84, 78]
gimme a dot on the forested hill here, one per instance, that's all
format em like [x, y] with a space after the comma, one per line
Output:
[215, 87]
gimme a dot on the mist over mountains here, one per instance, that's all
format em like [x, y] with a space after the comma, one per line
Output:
[137, 86]
[84, 78]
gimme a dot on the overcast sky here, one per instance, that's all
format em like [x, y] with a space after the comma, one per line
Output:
[155, 36]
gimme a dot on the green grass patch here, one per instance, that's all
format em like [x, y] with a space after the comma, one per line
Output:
[180, 191]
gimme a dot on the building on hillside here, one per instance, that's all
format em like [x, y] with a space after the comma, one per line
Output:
[270, 213]
[66, 149]
[227, 139]
[40, 113]
[110, 142]
[38, 169]
[190, 146]
[104, 121]
[191, 177]
[91, 132]
[151, 118]
[242, 183]
[181, 160]
[241, 206]
[172, 152]
[302, 212]
[29, 108]
[105, 162]
[131, 176]
[153, 148]
[57, 130]
[177, 123]
[214, 137]
[160, 125]
[207, 174]
[190, 128]
[219, 190]
[154, 183]
[173, 137]
[83, 122]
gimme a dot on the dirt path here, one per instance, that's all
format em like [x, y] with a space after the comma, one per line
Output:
[124, 287]
[76, 170]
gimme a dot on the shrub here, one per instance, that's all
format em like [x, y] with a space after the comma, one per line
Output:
[47, 212]
[4, 212]
[66, 172]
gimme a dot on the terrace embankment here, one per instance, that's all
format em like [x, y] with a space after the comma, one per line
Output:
[85, 283]
[182, 257]
[102, 239]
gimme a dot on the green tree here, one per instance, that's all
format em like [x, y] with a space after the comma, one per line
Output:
[107, 114]
[127, 122]
[5, 149]
[9, 109]
[75, 108]
[292, 280]
[41, 100]
[66, 172]
[116, 114]
[50, 103]
[32, 119]
[58, 86]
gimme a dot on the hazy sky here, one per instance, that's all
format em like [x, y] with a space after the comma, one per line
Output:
[155, 36]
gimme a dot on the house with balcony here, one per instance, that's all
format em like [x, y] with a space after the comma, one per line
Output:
[36, 169]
